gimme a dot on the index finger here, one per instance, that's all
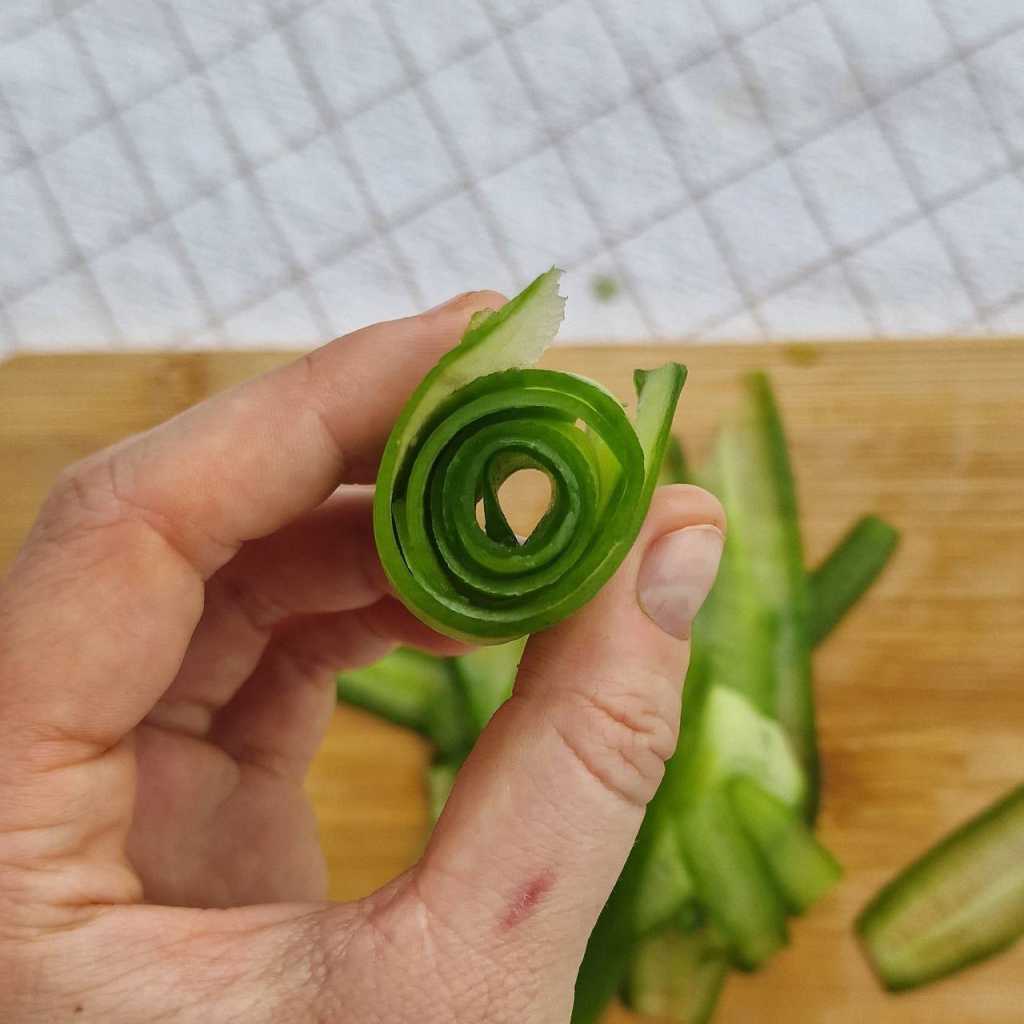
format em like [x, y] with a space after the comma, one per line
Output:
[98, 609]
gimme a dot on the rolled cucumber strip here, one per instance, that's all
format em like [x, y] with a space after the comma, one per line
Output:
[482, 413]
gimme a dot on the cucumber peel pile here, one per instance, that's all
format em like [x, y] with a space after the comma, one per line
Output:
[483, 413]
[726, 853]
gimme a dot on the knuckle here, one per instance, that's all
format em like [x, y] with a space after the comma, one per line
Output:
[622, 731]
[82, 494]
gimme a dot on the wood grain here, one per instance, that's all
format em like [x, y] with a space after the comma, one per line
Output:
[921, 692]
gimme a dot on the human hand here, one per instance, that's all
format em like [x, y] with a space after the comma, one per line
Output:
[168, 641]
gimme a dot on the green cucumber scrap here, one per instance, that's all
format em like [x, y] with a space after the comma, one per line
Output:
[841, 580]
[960, 903]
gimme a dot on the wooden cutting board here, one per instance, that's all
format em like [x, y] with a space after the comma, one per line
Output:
[921, 691]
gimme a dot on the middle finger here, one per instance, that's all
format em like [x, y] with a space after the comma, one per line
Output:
[324, 562]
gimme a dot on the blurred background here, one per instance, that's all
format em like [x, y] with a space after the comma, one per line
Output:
[207, 173]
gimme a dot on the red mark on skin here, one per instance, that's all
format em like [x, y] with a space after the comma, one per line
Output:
[526, 899]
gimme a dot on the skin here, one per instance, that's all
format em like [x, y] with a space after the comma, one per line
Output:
[168, 640]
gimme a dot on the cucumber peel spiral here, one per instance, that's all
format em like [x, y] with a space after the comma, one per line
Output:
[483, 413]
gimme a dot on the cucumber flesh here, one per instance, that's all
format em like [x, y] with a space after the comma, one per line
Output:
[731, 880]
[849, 570]
[678, 976]
[733, 739]
[958, 904]
[801, 867]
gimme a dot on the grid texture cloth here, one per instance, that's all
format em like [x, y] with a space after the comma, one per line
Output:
[195, 173]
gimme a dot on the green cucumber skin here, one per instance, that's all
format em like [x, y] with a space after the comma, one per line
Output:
[850, 569]
[1002, 822]
[674, 468]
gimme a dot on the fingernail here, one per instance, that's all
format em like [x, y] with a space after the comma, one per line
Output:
[676, 577]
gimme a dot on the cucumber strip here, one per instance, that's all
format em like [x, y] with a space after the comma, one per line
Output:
[851, 567]
[440, 780]
[414, 690]
[732, 881]
[761, 602]
[666, 886]
[479, 415]
[674, 468]
[487, 675]
[678, 975]
[960, 903]
[801, 867]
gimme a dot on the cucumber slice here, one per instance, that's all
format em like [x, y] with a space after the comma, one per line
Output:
[416, 691]
[732, 881]
[762, 649]
[678, 976]
[487, 675]
[852, 566]
[960, 903]
[801, 867]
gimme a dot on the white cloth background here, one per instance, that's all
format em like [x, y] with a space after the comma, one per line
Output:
[184, 173]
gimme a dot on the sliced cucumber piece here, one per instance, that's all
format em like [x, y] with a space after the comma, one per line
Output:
[801, 867]
[960, 903]
[736, 739]
[678, 976]
[666, 885]
[732, 881]
[850, 569]
[674, 469]
[440, 780]
[414, 690]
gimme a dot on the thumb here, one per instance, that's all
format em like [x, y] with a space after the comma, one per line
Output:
[549, 803]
